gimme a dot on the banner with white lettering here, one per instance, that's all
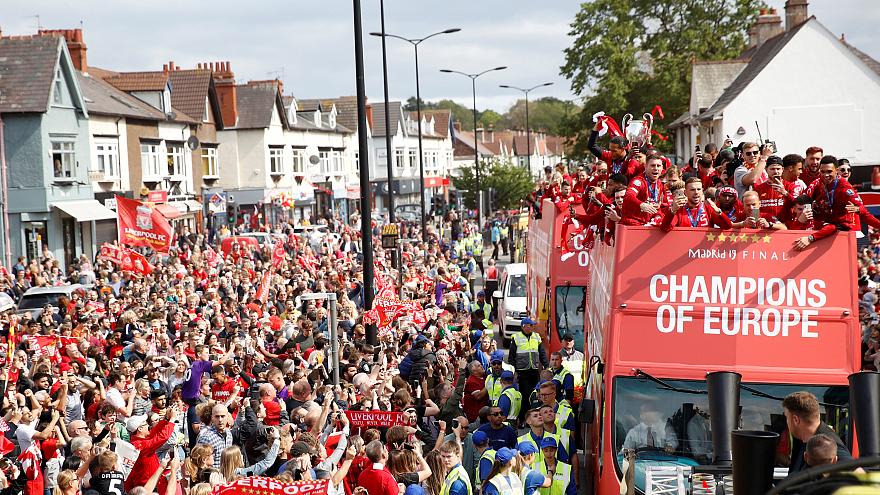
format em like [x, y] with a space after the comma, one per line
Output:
[140, 224]
[743, 298]
[377, 419]
[260, 485]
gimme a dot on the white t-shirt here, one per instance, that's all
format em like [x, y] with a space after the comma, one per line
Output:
[114, 397]
[25, 434]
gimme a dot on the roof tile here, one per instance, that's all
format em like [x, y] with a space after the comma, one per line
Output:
[27, 68]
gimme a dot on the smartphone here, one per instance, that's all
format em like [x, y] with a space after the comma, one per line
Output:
[679, 193]
[808, 207]
[756, 214]
[454, 424]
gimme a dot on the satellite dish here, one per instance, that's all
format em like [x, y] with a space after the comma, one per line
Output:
[314, 159]
[193, 143]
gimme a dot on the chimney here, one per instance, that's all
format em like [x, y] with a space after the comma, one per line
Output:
[491, 133]
[457, 126]
[481, 138]
[370, 115]
[768, 25]
[75, 45]
[224, 83]
[796, 13]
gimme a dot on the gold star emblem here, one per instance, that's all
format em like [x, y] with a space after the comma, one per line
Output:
[767, 239]
[710, 236]
[755, 238]
[722, 237]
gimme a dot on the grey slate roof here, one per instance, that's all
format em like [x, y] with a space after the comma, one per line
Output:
[712, 78]
[104, 99]
[27, 68]
[759, 59]
[256, 102]
[379, 117]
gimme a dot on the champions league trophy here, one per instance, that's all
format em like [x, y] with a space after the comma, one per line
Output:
[638, 132]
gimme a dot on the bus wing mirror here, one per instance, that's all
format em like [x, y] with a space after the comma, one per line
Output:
[587, 411]
[497, 294]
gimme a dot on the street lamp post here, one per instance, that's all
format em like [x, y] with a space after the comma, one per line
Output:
[528, 129]
[415, 42]
[476, 152]
[364, 156]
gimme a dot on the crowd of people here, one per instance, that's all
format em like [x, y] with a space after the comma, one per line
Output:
[219, 365]
[194, 375]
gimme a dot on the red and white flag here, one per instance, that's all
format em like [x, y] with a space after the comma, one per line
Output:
[278, 255]
[140, 224]
[263, 290]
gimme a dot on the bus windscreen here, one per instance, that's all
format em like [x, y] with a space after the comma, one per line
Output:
[672, 425]
[570, 313]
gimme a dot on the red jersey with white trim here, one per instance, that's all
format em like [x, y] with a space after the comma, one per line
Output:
[222, 393]
[689, 217]
[640, 190]
[773, 203]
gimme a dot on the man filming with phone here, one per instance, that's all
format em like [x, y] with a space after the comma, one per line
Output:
[752, 171]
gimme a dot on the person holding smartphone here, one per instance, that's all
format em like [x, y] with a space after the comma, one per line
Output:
[691, 209]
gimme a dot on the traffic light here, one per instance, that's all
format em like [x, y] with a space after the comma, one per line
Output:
[493, 199]
[231, 218]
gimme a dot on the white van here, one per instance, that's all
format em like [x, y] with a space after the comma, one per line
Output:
[511, 299]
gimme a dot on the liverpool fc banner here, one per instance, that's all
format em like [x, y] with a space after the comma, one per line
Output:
[140, 224]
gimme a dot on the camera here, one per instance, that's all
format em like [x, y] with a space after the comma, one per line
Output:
[771, 144]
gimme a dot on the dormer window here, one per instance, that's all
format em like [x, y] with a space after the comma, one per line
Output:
[318, 118]
[332, 119]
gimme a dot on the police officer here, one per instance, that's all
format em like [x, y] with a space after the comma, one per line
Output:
[493, 379]
[527, 355]
[477, 249]
[510, 400]
[563, 377]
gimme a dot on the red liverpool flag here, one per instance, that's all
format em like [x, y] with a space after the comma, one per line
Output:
[140, 224]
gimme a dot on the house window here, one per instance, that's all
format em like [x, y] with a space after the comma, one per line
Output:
[151, 160]
[398, 159]
[298, 162]
[174, 154]
[276, 159]
[63, 159]
[413, 158]
[59, 87]
[209, 162]
[325, 161]
[107, 153]
[336, 158]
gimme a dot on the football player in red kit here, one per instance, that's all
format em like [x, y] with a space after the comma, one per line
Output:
[616, 156]
[834, 202]
[645, 195]
[730, 205]
[693, 210]
[776, 194]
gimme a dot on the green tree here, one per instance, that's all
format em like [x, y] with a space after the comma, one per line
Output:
[544, 113]
[510, 182]
[629, 55]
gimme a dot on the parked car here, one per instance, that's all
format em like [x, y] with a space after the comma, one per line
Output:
[244, 241]
[264, 238]
[511, 300]
[36, 298]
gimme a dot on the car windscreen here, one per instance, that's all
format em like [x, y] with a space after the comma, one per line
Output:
[516, 286]
[38, 301]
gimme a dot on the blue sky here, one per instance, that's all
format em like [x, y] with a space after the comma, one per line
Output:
[312, 41]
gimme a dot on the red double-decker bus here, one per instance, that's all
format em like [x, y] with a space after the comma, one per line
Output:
[666, 308]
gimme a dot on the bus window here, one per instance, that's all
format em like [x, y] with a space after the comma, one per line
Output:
[570, 313]
[673, 427]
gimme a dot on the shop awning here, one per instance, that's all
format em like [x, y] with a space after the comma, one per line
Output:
[85, 210]
[168, 211]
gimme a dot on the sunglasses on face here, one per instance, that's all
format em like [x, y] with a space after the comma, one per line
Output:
[844, 170]
[751, 153]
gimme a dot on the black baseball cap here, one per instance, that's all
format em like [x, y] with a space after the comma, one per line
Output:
[568, 337]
